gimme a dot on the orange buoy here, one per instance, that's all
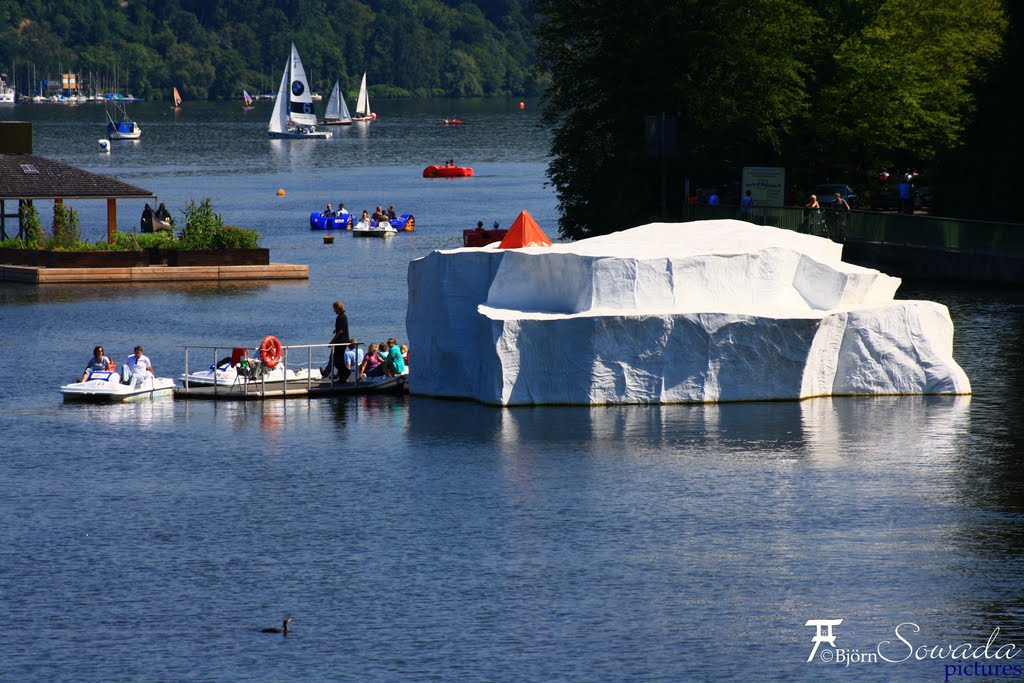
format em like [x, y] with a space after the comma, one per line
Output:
[270, 351]
[280, 192]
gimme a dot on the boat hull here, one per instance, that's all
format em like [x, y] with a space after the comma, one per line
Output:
[227, 376]
[404, 223]
[481, 238]
[320, 222]
[106, 387]
[342, 122]
[434, 171]
[297, 135]
[373, 232]
[118, 134]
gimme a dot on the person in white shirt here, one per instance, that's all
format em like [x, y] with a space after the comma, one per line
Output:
[138, 367]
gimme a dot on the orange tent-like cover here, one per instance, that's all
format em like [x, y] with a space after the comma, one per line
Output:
[525, 233]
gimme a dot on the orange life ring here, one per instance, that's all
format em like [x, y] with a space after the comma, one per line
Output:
[270, 351]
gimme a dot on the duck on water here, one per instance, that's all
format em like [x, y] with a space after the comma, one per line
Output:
[283, 629]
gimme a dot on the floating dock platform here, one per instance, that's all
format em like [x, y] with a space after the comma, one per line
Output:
[259, 391]
[39, 275]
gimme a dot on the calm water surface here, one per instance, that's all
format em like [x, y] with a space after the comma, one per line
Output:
[414, 539]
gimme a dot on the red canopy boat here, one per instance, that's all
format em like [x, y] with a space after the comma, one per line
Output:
[480, 237]
[434, 171]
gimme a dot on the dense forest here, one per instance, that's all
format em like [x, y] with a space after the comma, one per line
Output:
[214, 48]
[832, 90]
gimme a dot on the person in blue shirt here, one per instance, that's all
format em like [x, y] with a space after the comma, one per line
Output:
[713, 199]
[353, 359]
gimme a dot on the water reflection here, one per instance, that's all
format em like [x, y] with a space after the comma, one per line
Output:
[136, 415]
[826, 430]
[30, 294]
[293, 153]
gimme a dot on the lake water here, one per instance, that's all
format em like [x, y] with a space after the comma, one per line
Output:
[414, 539]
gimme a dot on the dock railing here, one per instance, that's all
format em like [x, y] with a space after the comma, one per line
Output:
[913, 230]
[250, 355]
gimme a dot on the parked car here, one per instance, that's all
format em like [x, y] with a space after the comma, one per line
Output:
[827, 195]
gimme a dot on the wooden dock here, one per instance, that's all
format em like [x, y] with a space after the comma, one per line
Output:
[39, 275]
[259, 391]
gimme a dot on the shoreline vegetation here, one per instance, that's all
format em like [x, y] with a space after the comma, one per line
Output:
[420, 48]
[203, 230]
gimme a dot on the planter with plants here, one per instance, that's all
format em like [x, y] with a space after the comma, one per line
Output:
[204, 241]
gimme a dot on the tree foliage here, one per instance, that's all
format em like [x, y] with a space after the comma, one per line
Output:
[217, 48]
[823, 87]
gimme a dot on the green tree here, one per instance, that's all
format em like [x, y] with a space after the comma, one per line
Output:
[899, 80]
[732, 74]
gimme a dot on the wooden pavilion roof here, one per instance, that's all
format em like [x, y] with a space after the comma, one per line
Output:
[27, 176]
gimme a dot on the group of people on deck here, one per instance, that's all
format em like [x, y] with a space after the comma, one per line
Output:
[136, 369]
[383, 359]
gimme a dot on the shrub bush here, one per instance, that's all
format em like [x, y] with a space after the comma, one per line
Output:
[31, 228]
[234, 237]
[201, 225]
[66, 234]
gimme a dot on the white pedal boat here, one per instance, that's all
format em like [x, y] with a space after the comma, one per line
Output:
[382, 229]
[105, 386]
[227, 375]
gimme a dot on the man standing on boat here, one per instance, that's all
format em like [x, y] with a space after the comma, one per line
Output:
[341, 336]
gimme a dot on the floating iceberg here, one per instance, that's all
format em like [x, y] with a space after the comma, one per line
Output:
[671, 313]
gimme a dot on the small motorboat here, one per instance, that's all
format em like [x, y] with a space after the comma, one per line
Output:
[105, 386]
[252, 371]
[380, 229]
[453, 122]
[446, 171]
[317, 221]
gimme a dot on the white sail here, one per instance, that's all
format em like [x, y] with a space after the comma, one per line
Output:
[333, 112]
[363, 103]
[300, 99]
[345, 116]
[337, 110]
[279, 118]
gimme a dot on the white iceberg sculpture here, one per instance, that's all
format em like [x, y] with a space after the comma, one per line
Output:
[671, 313]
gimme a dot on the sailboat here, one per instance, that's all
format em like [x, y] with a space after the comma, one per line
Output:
[293, 116]
[177, 99]
[337, 111]
[247, 99]
[363, 112]
[124, 128]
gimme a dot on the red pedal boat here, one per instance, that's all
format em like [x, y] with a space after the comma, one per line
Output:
[434, 171]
